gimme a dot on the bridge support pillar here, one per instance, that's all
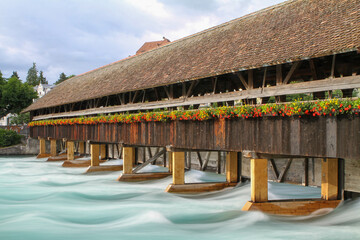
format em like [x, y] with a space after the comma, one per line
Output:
[53, 151]
[178, 167]
[70, 150]
[94, 151]
[231, 167]
[259, 192]
[178, 172]
[42, 150]
[103, 151]
[128, 159]
[329, 179]
[81, 148]
[259, 178]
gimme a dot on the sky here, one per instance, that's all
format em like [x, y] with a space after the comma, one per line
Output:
[76, 36]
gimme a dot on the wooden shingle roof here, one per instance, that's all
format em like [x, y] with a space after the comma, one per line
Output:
[286, 32]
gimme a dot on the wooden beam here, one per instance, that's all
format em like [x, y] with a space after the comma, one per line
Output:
[191, 88]
[70, 150]
[183, 89]
[282, 174]
[313, 69]
[81, 147]
[178, 167]
[215, 83]
[42, 146]
[231, 167]
[204, 166]
[169, 95]
[242, 79]
[274, 168]
[259, 178]
[296, 88]
[333, 66]
[279, 77]
[135, 96]
[128, 159]
[170, 162]
[291, 72]
[199, 158]
[53, 151]
[306, 172]
[251, 79]
[264, 80]
[147, 162]
[103, 151]
[94, 152]
[329, 179]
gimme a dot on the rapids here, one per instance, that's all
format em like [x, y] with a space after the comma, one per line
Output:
[42, 200]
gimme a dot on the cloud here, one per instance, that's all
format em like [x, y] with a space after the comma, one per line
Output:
[75, 36]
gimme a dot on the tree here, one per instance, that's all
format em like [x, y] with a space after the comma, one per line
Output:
[22, 118]
[15, 96]
[63, 78]
[32, 76]
[42, 79]
[2, 80]
[15, 74]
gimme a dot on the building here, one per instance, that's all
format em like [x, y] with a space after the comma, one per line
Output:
[43, 89]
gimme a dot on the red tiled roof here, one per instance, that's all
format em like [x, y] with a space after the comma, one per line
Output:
[152, 45]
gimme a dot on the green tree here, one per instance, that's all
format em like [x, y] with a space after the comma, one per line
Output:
[2, 80]
[61, 79]
[42, 79]
[15, 74]
[22, 118]
[15, 96]
[32, 76]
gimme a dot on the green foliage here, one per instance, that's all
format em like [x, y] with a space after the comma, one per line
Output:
[15, 96]
[42, 79]
[2, 80]
[20, 119]
[9, 138]
[15, 74]
[32, 76]
[61, 79]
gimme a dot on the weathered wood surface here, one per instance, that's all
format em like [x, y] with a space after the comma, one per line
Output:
[333, 137]
[293, 207]
[349, 82]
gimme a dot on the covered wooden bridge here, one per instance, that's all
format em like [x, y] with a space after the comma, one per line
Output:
[229, 88]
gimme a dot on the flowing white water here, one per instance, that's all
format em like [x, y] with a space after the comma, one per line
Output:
[42, 200]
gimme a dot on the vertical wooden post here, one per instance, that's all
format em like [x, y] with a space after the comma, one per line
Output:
[42, 146]
[259, 177]
[103, 151]
[94, 151]
[70, 150]
[231, 167]
[53, 147]
[81, 147]
[178, 172]
[170, 161]
[329, 179]
[128, 159]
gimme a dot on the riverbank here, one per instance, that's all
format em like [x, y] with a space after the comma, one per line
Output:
[27, 146]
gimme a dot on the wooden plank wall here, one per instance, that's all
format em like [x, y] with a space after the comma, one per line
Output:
[334, 137]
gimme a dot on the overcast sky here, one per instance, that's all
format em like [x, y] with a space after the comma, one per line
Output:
[75, 36]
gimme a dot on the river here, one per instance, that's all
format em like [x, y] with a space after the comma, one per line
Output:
[42, 200]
